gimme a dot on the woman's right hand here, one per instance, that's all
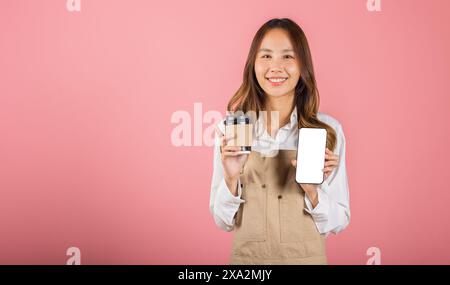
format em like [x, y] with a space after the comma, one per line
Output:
[232, 162]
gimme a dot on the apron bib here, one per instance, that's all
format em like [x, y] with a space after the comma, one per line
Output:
[271, 227]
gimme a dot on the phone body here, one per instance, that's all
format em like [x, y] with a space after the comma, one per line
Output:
[311, 155]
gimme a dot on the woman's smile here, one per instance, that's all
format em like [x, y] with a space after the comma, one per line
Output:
[276, 81]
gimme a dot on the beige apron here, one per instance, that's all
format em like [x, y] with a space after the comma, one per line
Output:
[272, 227]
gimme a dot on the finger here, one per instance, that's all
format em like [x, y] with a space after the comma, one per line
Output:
[328, 152]
[222, 141]
[331, 154]
[223, 138]
[231, 153]
[231, 148]
[294, 162]
[327, 169]
[331, 163]
[220, 135]
[331, 157]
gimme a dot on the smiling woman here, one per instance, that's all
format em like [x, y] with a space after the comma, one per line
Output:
[274, 219]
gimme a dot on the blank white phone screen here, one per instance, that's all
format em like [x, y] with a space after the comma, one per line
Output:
[311, 155]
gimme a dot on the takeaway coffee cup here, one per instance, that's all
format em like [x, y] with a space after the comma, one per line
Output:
[239, 132]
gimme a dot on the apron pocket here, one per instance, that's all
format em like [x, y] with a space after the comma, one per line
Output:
[295, 224]
[252, 224]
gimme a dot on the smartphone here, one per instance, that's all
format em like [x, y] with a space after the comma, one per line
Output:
[312, 143]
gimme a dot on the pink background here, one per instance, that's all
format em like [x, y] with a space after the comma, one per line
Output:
[86, 100]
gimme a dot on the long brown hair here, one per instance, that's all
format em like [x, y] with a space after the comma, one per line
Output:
[251, 97]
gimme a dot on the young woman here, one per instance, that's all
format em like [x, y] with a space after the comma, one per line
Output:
[276, 220]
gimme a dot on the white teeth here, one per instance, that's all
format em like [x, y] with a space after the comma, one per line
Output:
[276, 80]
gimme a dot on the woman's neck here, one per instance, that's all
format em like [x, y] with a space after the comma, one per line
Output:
[284, 106]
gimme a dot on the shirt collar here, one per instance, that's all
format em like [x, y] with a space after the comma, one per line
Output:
[292, 123]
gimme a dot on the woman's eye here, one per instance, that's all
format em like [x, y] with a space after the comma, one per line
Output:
[265, 56]
[288, 56]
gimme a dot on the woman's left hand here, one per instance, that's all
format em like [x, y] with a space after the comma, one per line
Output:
[331, 162]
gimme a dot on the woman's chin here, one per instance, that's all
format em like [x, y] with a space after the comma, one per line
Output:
[278, 93]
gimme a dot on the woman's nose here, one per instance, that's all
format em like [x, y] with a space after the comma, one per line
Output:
[276, 65]
[276, 69]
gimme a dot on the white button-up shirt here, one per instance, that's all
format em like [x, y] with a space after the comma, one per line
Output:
[331, 214]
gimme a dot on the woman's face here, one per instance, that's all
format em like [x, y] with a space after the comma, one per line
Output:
[277, 67]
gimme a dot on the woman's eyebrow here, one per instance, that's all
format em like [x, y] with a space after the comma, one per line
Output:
[269, 50]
